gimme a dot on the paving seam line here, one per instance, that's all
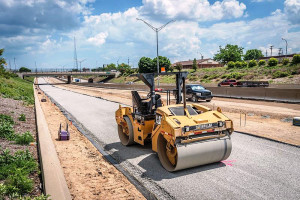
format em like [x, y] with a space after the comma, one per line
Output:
[54, 182]
[139, 184]
[266, 138]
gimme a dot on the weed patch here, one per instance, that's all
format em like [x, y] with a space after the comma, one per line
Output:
[15, 170]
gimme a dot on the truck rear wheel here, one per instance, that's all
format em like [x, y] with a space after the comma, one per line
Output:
[125, 131]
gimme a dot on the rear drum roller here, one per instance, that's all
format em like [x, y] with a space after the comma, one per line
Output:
[167, 153]
[126, 132]
[184, 156]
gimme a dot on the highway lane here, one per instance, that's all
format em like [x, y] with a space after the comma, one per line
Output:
[256, 169]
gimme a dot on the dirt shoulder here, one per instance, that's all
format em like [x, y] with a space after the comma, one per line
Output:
[266, 119]
[88, 174]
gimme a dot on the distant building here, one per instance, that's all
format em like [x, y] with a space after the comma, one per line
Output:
[202, 63]
[279, 58]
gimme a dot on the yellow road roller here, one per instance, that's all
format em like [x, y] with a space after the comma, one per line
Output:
[183, 135]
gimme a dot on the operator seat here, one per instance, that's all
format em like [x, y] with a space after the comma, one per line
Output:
[140, 104]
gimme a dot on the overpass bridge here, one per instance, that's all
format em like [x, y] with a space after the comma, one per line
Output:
[69, 74]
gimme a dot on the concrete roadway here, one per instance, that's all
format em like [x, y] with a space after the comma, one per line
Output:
[256, 169]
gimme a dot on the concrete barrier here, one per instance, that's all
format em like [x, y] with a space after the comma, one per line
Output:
[53, 177]
[255, 93]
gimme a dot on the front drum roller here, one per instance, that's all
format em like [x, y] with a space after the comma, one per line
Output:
[194, 154]
[126, 132]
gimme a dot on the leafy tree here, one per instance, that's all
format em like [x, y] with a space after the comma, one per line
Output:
[178, 66]
[195, 64]
[146, 65]
[229, 53]
[272, 62]
[296, 59]
[262, 62]
[171, 68]
[230, 65]
[24, 69]
[111, 66]
[2, 61]
[252, 63]
[163, 62]
[253, 54]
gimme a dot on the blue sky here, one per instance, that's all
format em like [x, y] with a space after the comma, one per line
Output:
[107, 31]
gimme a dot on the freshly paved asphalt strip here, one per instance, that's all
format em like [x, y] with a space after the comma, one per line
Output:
[256, 169]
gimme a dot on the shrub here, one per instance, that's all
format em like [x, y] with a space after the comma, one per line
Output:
[224, 76]
[22, 117]
[244, 64]
[230, 65]
[262, 63]
[296, 59]
[252, 63]
[272, 62]
[24, 139]
[279, 74]
[6, 127]
[238, 64]
[236, 75]
[285, 61]
[18, 183]
[6, 118]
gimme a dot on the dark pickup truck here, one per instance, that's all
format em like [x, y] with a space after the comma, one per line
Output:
[232, 83]
[195, 92]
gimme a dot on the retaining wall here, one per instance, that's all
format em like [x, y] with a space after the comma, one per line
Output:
[269, 94]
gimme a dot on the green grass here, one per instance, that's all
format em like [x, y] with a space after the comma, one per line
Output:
[14, 171]
[215, 75]
[17, 88]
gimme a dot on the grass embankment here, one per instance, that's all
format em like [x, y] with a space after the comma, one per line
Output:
[278, 74]
[17, 88]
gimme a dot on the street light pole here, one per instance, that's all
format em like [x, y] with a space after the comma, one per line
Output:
[286, 45]
[156, 30]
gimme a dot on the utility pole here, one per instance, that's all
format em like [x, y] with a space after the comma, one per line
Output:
[75, 56]
[15, 65]
[286, 46]
[279, 51]
[35, 67]
[9, 65]
[128, 61]
[271, 47]
[266, 53]
[156, 31]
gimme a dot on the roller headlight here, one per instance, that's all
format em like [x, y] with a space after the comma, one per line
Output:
[220, 123]
[199, 94]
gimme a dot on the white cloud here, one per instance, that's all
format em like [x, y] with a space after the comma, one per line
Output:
[292, 10]
[98, 39]
[200, 10]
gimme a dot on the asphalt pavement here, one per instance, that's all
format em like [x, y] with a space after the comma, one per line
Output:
[256, 169]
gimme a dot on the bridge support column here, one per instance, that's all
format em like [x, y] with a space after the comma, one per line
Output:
[69, 79]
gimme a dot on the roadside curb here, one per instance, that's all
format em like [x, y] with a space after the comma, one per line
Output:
[54, 181]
